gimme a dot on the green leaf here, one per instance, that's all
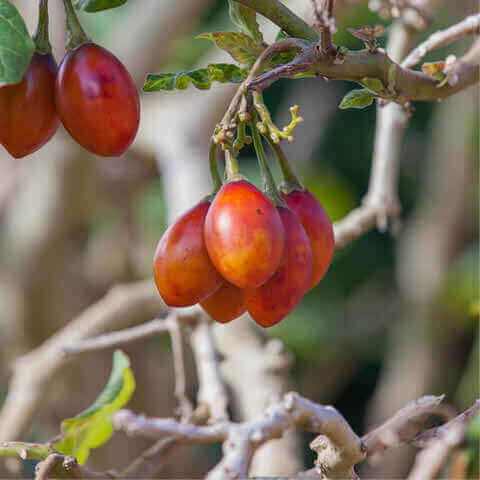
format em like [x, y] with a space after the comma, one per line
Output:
[357, 99]
[201, 78]
[281, 35]
[97, 5]
[239, 45]
[373, 84]
[16, 45]
[246, 20]
[93, 427]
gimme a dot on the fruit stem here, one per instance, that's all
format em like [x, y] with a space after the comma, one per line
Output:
[269, 187]
[216, 180]
[231, 167]
[41, 38]
[290, 180]
[76, 36]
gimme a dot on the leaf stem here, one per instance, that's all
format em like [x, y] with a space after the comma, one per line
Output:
[216, 180]
[41, 37]
[269, 186]
[76, 36]
[290, 180]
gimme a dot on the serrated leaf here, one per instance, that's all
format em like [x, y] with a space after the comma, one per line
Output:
[93, 427]
[357, 99]
[201, 78]
[97, 5]
[240, 46]
[16, 45]
[246, 20]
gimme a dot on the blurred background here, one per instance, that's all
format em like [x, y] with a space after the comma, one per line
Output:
[394, 318]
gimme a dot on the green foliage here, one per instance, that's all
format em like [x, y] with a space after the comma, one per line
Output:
[239, 45]
[97, 5]
[16, 45]
[246, 19]
[93, 427]
[473, 445]
[375, 85]
[201, 78]
[359, 98]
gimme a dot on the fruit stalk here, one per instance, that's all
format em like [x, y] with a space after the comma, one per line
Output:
[269, 186]
[41, 37]
[76, 36]
[231, 167]
[216, 180]
[290, 180]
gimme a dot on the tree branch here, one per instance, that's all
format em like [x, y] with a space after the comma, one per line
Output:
[468, 26]
[341, 448]
[282, 16]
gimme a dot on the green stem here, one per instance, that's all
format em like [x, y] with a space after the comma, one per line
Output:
[290, 180]
[31, 451]
[216, 180]
[41, 38]
[231, 167]
[76, 36]
[283, 17]
[269, 187]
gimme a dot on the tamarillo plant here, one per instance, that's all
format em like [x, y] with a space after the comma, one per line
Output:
[240, 249]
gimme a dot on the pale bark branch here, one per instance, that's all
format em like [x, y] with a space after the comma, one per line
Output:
[123, 305]
[468, 26]
[341, 450]
[403, 427]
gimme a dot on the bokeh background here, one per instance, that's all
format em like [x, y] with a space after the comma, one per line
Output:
[395, 317]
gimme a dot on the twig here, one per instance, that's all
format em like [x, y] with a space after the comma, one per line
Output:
[185, 406]
[325, 24]
[122, 337]
[468, 26]
[212, 392]
[404, 425]
[45, 469]
[423, 438]
[123, 305]
[440, 442]
[343, 449]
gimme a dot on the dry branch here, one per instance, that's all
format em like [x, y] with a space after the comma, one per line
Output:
[123, 305]
[342, 448]
[403, 427]
[468, 26]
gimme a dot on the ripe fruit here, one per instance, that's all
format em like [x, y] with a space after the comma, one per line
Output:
[318, 227]
[97, 100]
[27, 109]
[226, 304]
[275, 299]
[183, 271]
[244, 234]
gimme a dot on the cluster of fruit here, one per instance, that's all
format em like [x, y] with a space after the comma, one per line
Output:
[240, 253]
[92, 94]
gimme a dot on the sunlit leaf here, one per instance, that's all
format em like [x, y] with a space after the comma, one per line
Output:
[246, 20]
[201, 78]
[93, 427]
[239, 45]
[16, 45]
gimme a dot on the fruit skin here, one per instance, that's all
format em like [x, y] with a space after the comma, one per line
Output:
[183, 272]
[97, 100]
[274, 300]
[28, 118]
[318, 227]
[244, 234]
[226, 304]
